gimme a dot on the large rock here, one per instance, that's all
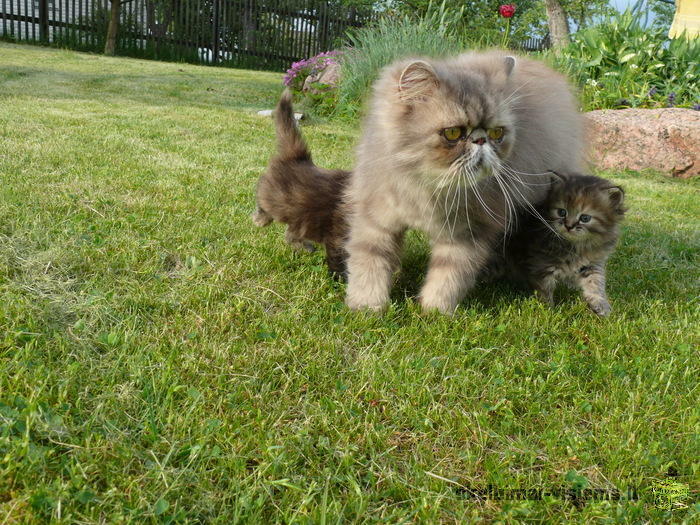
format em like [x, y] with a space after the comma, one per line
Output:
[666, 140]
[326, 78]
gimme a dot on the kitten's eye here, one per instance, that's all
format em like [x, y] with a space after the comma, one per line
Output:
[561, 212]
[495, 133]
[452, 134]
[584, 218]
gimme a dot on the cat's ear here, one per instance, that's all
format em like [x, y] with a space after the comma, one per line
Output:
[418, 80]
[616, 195]
[510, 64]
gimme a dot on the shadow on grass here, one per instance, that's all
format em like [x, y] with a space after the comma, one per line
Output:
[650, 260]
[179, 84]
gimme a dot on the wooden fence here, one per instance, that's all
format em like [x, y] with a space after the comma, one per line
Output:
[260, 34]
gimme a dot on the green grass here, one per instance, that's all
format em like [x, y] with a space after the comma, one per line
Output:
[161, 359]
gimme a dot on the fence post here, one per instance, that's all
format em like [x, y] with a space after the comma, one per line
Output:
[215, 32]
[44, 20]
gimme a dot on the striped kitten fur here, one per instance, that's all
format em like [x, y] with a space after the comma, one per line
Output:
[582, 215]
[296, 192]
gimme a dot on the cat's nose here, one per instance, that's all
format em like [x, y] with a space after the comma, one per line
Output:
[480, 141]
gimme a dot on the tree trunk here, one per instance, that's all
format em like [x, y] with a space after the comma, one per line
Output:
[558, 24]
[113, 29]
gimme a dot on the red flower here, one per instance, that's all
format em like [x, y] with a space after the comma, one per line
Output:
[507, 10]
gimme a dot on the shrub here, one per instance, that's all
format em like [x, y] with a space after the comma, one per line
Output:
[621, 63]
[392, 37]
[297, 73]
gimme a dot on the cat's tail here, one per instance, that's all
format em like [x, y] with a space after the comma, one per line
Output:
[290, 144]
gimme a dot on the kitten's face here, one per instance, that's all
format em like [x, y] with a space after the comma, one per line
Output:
[457, 121]
[584, 209]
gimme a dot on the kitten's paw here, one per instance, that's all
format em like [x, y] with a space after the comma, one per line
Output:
[601, 308]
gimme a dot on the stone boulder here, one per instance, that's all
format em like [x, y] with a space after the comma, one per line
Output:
[665, 140]
[326, 78]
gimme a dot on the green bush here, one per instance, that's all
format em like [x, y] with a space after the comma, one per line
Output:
[620, 63]
[392, 37]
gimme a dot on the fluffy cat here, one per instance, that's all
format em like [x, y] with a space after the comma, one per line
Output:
[454, 148]
[296, 192]
[582, 214]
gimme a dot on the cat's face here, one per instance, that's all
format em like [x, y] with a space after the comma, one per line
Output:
[584, 208]
[456, 120]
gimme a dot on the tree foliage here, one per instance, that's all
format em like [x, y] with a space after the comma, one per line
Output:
[482, 15]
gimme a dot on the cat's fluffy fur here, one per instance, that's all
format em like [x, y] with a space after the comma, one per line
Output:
[582, 214]
[296, 192]
[462, 193]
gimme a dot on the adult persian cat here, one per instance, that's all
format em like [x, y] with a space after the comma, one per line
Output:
[454, 148]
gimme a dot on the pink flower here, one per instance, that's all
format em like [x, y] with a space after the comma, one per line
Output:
[298, 71]
[506, 10]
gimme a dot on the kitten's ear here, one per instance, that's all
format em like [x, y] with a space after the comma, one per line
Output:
[616, 195]
[510, 64]
[418, 80]
[557, 177]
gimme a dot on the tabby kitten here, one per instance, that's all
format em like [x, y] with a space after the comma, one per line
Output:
[582, 214]
[296, 192]
[453, 148]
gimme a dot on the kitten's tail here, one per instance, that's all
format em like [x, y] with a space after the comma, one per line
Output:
[290, 143]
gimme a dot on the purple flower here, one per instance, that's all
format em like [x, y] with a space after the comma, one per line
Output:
[696, 107]
[653, 91]
[298, 71]
[671, 99]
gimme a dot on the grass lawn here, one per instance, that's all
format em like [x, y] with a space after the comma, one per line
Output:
[162, 359]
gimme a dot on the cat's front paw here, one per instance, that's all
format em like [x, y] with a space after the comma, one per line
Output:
[601, 308]
[365, 302]
[439, 304]
[364, 305]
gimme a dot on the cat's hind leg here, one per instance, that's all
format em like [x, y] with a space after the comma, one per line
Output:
[544, 286]
[452, 272]
[261, 217]
[297, 242]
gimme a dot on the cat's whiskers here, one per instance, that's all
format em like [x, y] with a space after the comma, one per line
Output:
[463, 178]
[472, 179]
[445, 207]
[528, 205]
[434, 197]
[515, 92]
[510, 207]
[513, 170]
[460, 180]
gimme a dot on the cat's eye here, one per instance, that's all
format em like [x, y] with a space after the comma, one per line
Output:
[584, 218]
[495, 133]
[452, 134]
[561, 212]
